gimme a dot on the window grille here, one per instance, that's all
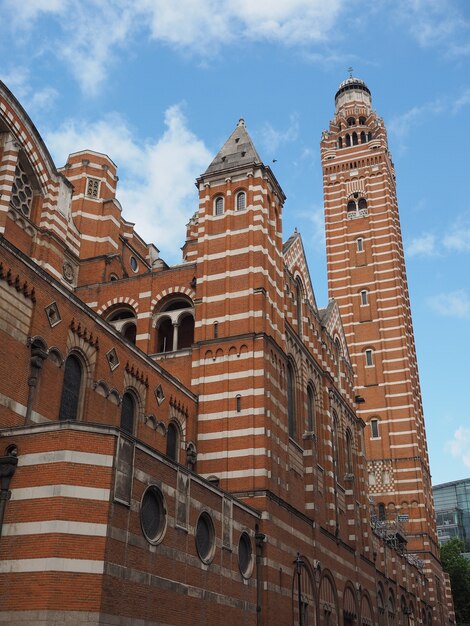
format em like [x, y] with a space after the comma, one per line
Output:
[92, 187]
[21, 192]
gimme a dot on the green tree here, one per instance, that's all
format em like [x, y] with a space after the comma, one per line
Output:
[458, 568]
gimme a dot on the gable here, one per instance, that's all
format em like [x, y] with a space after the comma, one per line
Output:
[296, 263]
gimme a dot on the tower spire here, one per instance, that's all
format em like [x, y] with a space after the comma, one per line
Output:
[237, 151]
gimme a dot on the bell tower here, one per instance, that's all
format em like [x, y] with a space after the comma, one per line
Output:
[367, 277]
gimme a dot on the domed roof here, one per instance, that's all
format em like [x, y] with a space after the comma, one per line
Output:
[352, 83]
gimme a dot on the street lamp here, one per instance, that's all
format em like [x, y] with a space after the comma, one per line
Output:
[299, 563]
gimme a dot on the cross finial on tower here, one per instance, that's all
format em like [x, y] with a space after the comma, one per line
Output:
[350, 70]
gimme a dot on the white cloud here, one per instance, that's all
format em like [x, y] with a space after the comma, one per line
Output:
[315, 225]
[458, 238]
[462, 101]
[88, 43]
[452, 304]
[459, 446]
[23, 14]
[425, 245]
[273, 138]
[19, 81]
[401, 125]
[16, 80]
[156, 179]
[434, 23]
[202, 24]
[43, 98]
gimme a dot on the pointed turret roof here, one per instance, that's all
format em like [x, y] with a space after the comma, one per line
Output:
[237, 151]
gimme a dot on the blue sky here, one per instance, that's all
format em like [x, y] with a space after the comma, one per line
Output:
[159, 86]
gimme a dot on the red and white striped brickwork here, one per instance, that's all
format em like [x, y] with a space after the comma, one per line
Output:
[208, 349]
[367, 277]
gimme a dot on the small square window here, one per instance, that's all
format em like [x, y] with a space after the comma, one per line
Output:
[92, 187]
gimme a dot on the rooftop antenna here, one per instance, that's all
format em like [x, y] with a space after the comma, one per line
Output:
[350, 70]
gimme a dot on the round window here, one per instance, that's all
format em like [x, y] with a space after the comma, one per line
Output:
[134, 264]
[153, 515]
[205, 538]
[245, 555]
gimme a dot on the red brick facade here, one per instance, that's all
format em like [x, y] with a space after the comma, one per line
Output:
[181, 444]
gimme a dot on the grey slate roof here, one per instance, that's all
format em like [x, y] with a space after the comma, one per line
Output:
[325, 312]
[290, 241]
[237, 151]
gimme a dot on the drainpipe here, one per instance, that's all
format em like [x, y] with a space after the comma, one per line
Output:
[8, 465]
[38, 356]
[260, 538]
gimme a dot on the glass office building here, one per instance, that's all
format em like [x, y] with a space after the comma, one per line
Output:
[452, 504]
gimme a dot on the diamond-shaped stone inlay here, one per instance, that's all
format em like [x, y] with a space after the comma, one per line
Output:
[112, 358]
[53, 315]
[160, 396]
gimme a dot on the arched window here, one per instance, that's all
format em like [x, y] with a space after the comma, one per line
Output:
[364, 298]
[382, 512]
[128, 412]
[334, 442]
[348, 139]
[374, 428]
[124, 320]
[369, 357]
[354, 139]
[241, 201]
[219, 205]
[172, 441]
[340, 142]
[391, 608]
[351, 121]
[130, 332]
[310, 409]
[362, 204]
[339, 351]
[291, 399]
[174, 324]
[363, 137]
[362, 121]
[71, 389]
[299, 297]
[349, 453]
[165, 335]
[238, 399]
[369, 136]
[186, 332]
[351, 206]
